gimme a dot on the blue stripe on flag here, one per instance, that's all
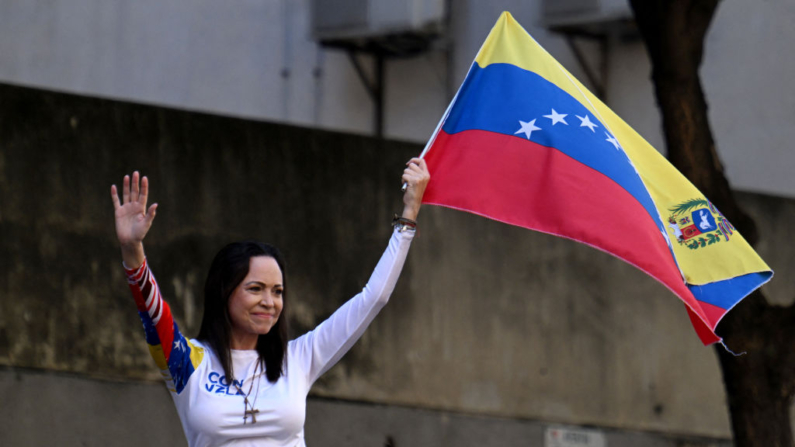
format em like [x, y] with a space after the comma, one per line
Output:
[497, 97]
[725, 294]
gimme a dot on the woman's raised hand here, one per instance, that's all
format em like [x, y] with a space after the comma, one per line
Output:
[416, 177]
[133, 219]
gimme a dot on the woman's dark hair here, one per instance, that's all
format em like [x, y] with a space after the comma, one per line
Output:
[227, 271]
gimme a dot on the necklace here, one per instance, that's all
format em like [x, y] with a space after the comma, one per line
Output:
[248, 407]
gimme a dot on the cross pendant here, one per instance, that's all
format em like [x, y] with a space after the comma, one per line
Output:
[251, 412]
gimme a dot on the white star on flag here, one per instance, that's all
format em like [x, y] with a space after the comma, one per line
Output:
[586, 122]
[178, 345]
[557, 117]
[527, 128]
[612, 141]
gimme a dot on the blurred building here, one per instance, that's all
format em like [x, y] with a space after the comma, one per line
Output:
[610, 370]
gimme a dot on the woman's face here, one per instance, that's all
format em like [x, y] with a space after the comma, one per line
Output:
[256, 303]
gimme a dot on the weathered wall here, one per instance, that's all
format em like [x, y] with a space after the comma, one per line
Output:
[488, 319]
[82, 412]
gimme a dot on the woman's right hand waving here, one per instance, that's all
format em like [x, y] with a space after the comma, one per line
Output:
[133, 219]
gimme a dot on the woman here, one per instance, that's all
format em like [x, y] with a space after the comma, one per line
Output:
[240, 382]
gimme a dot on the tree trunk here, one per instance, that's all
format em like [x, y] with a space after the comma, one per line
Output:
[761, 384]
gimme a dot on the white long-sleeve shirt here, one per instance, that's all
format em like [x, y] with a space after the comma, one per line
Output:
[211, 409]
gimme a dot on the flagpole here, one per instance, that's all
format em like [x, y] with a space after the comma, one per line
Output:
[435, 132]
[439, 126]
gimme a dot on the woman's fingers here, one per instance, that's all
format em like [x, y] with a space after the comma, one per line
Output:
[409, 177]
[133, 218]
[114, 195]
[417, 165]
[125, 190]
[422, 166]
[416, 170]
[135, 187]
[144, 191]
[150, 213]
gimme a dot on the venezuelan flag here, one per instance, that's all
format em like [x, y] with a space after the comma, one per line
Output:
[525, 143]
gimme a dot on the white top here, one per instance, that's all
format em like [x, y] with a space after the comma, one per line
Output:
[211, 410]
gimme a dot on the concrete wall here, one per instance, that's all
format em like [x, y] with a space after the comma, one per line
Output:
[487, 319]
[87, 413]
[257, 59]
[252, 58]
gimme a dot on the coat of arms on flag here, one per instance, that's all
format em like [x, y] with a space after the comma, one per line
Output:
[696, 223]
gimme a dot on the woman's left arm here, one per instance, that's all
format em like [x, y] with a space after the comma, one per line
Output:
[323, 347]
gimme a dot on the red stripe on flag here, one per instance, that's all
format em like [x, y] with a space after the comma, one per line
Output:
[706, 334]
[516, 181]
[712, 312]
